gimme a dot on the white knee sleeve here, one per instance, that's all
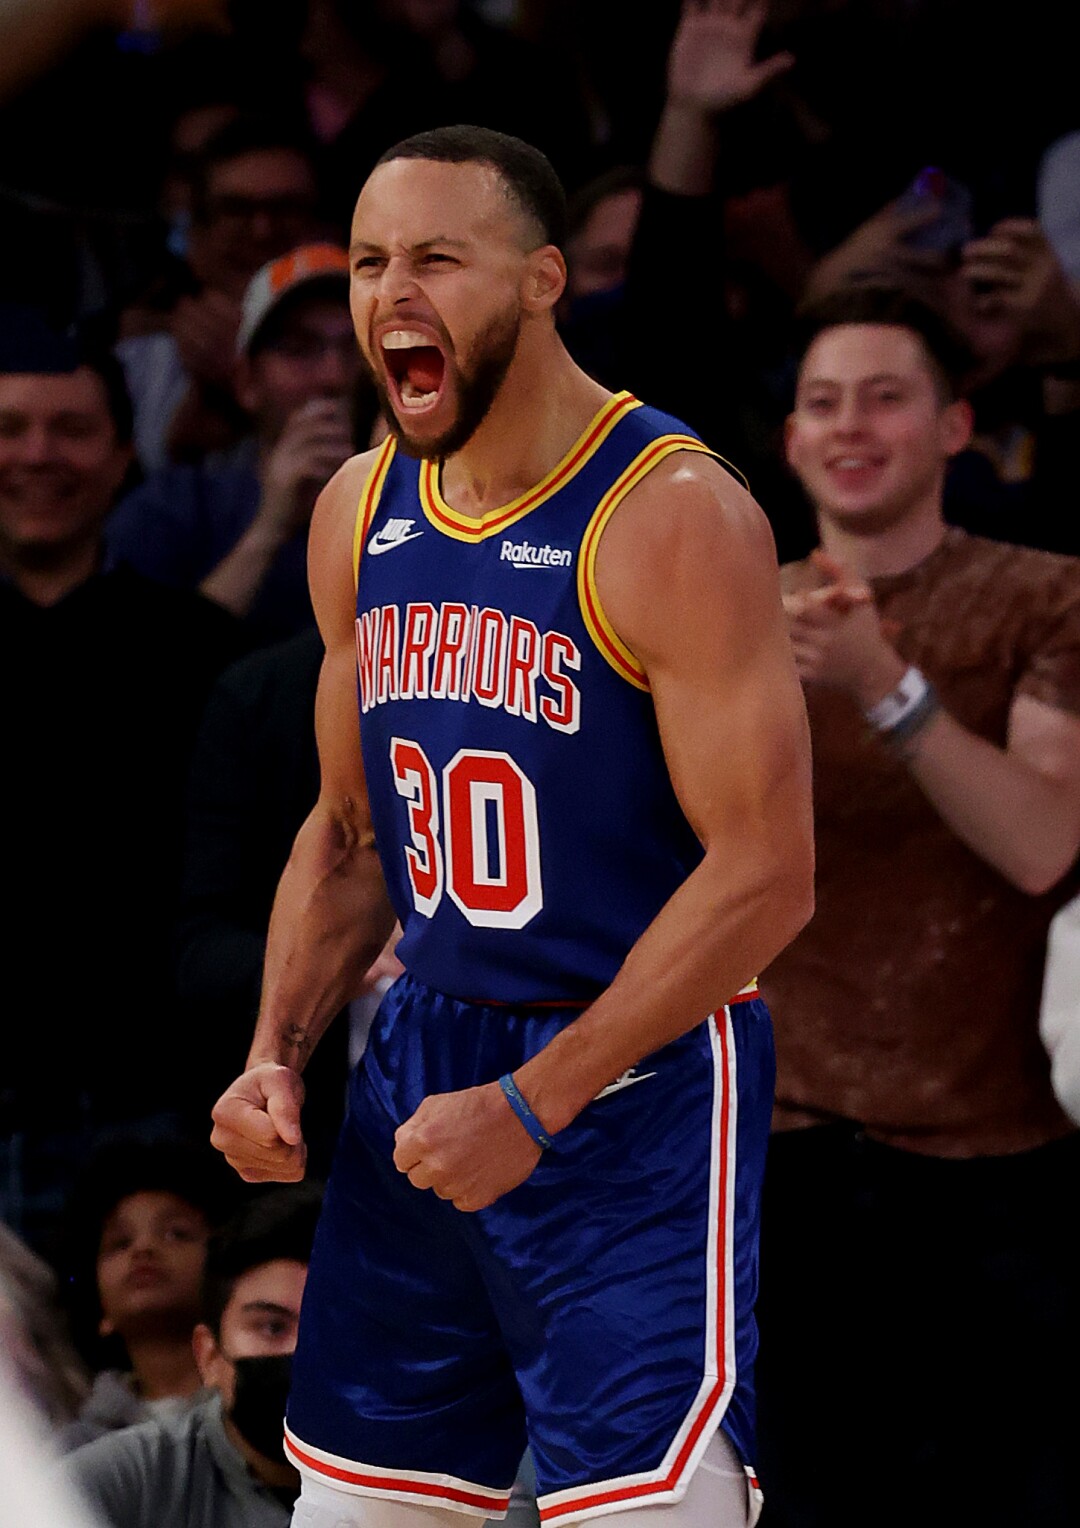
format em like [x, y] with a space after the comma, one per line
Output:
[322, 1506]
[718, 1496]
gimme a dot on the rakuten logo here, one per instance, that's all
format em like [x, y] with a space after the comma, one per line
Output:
[524, 555]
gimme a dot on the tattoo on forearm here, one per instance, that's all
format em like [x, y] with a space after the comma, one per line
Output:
[297, 1040]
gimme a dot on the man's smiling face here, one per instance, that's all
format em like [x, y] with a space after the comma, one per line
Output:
[61, 463]
[871, 431]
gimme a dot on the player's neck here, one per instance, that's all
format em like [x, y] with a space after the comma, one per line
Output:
[546, 401]
[887, 550]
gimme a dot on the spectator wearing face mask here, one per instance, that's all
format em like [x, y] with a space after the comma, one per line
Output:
[221, 1464]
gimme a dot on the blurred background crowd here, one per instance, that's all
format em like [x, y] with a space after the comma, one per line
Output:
[179, 378]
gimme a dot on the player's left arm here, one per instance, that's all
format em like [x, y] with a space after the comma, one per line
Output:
[687, 574]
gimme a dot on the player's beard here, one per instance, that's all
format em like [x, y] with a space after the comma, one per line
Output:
[476, 383]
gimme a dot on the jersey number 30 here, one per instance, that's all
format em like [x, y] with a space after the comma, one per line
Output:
[486, 853]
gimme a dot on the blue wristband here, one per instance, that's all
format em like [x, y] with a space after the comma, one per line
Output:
[524, 1113]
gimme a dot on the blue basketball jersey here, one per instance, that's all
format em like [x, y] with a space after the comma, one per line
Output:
[524, 816]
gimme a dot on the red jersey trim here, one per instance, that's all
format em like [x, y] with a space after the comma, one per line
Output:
[466, 528]
[395, 1484]
[369, 502]
[604, 635]
[668, 1481]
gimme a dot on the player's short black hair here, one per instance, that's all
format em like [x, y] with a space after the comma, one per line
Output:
[277, 1222]
[529, 178]
[949, 356]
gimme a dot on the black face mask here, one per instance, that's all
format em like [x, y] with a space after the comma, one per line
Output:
[258, 1412]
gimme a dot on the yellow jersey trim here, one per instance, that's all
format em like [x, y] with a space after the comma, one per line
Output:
[465, 528]
[604, 635]
[369, 502]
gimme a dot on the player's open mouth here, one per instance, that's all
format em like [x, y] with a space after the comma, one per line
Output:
[416, 368]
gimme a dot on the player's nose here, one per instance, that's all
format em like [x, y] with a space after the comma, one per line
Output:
[398, 282]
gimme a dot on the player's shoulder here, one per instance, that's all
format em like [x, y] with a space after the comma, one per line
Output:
[333, 521]
[687, 549]
[690, 497]
[347, 485]
[696, 475]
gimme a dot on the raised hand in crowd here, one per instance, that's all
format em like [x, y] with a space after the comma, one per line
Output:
[711, 68]
[880, 252]
[712, 64]
[316, 440]
[1014, 275]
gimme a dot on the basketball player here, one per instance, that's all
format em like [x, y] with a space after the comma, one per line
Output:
[584, 790]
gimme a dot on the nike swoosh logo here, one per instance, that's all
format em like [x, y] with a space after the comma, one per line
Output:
[375, 546]
[627, 1080]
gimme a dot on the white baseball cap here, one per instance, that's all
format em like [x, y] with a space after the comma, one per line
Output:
[280, 278]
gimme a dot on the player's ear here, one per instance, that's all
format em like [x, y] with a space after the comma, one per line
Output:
[544, 280]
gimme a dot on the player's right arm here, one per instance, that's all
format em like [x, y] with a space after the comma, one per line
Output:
[331, 915]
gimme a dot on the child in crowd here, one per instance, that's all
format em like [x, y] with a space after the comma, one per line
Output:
[141, 1218]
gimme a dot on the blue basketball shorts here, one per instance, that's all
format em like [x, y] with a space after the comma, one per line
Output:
[602, 1312]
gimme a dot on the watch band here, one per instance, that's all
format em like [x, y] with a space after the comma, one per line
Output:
[891, 710]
